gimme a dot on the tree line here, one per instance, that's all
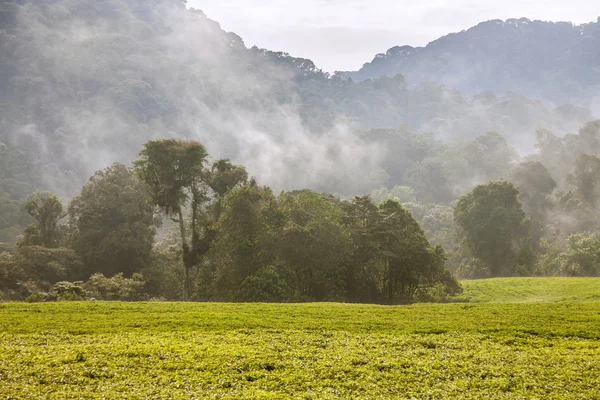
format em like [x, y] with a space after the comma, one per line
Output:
[222, 237]
[219, 231]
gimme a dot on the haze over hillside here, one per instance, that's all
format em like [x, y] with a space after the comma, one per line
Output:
[269, 171]
[84, 84]
[150, 159]
[555, 61]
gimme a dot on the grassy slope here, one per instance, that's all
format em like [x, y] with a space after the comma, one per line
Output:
[310, 351]
[531, 290]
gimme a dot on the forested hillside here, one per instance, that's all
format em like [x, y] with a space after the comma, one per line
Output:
[220, 172]
[555, 61]
[85, 83]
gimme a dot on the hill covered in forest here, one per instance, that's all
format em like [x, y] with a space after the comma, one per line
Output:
[371, 190]
[86, 83]
[555, 61]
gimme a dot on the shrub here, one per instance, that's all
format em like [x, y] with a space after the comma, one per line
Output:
[69, 297]
[116, 287]
[473, 269]
[264, 286]
[36, 297]
[67, 291]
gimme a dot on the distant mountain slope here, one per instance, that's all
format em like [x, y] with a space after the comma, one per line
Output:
[557, 61]
[84, 83]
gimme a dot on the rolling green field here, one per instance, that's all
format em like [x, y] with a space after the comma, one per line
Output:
[528, 350]
[531, 290]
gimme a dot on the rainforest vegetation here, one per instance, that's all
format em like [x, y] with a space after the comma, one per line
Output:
[137, 163]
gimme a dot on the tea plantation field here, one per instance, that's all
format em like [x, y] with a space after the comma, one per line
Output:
[531, 290]
[494, 350]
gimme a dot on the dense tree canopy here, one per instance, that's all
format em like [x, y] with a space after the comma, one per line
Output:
[176, 175]
[84, 84]
[535, 186]
[113, 222]
[551, 60]
[47, 211]
[495, 225]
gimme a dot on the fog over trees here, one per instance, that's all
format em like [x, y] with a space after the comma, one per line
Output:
[146, 153]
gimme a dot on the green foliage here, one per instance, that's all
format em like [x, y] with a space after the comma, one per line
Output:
[225, 176]
[117, 287]
[36, 297]
[557, 154]
[175, 174]
[314, 246]
[164, 275]
[583, 255]
[472, 268]
[66, 291]
[438, 223]
[494, 224]
[111, 87]
[46, 266]
[60, 291]
[491, 155]
[535, 186]
[249, 227]
[12, 218]
[317, 248]
[391, 259]
[402, 194]
[585, 179]
[113, 223]
[47, 211]
[264, 286]
[579, 255]
[530, 290]
[410, 261]
[171, 169]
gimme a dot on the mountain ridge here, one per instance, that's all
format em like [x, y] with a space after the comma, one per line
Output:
[86, 83]
[554, 61]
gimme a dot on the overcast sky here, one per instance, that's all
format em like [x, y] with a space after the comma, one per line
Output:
[344, 34]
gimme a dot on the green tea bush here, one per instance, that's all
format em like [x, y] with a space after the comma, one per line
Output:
[115, 350]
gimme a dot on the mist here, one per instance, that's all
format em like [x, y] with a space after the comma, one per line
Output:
[88, 84]
[209, 92]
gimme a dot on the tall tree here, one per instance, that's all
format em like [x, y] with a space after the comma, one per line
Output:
[363, 271]
[557, 154]
[249, 231]
[114, 222]
[12, 218]
[179, 180]
[535, 186]
[585, 179]
[490, 155]
[494, 224]
[410, 261]
[47, 211]
[314, 245]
